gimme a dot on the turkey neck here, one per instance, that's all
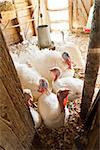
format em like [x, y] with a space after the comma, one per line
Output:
[62, 101]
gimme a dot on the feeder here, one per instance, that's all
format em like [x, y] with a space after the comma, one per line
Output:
[44, 40]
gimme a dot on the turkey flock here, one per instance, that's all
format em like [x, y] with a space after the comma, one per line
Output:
[47, 78]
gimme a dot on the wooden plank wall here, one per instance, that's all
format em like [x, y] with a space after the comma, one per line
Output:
[15, 30]
[24, 17]
[39, 21]
[10, 34]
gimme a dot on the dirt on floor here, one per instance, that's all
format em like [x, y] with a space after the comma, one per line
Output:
[62, 138]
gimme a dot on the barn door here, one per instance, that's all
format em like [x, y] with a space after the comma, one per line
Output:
[78, 13]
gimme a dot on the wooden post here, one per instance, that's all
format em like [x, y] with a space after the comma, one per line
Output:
[70, 15]
[32, 16]
[93, 62]
[93, 135]
[83, 11]
[16, 126]
[76, 4]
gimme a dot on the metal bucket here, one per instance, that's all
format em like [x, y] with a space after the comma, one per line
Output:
[44, 40]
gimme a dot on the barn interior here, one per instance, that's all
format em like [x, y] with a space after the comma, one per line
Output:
[49, 74]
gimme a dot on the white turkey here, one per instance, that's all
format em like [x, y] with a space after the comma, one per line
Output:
[73, 84]
[29, 78]
[49, 59]
[52, 107]
[68, 72]
[24, 53]
[35, 114]
[42, 60]
[74, 52]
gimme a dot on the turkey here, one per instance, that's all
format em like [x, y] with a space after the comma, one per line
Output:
[69, 72]
[35, 115]
[74, 53]
[24, 53]
[49, 59]
[42, 61]
[29, 78]
[73, 84]
[52, 107]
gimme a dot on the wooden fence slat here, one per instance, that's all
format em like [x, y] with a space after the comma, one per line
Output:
[70, 14]
[83, 10]
[58, 9]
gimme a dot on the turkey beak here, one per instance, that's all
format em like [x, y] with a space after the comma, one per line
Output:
[30, 102]
[52, 74]
[51, 69]
[69, 92]
[68, 61]
[39, 90]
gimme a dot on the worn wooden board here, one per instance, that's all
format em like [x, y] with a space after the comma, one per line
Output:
[8, 15]
[13, 110]
[78, 13]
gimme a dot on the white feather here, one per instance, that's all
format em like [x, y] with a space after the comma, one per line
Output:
[73, 84]
[29, 78]
[47, 60]
[74, 53]
[36, 117]
[42, 60]
[50, 111]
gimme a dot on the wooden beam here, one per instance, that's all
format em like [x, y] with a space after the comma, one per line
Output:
[84, 7]
[14, 22]
[93, 62]
[70, 15]
[76, 5]
[59, 21]
[13, 110]
[78, 30]
[89, 139]
[94, 133]
[58, 9]
[18, 25]
[91, 113]
[27, 7]
[83, 10]
[32, 16]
